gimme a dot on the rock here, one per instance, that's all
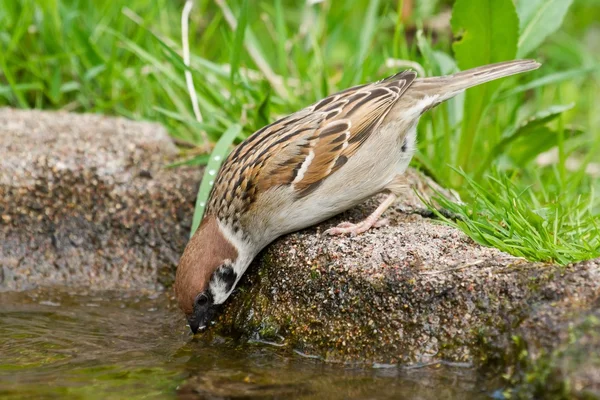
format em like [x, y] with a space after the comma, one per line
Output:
[85, 200]
[556, 345]
[421, 292]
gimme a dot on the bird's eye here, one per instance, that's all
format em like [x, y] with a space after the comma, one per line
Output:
[201, 300]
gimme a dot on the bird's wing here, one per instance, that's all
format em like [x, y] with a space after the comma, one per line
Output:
[341, 123]
[305, 148]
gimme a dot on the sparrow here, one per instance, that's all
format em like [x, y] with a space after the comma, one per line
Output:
[308, 167]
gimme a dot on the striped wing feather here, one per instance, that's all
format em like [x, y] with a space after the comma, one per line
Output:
[306, 147]
[350, 118]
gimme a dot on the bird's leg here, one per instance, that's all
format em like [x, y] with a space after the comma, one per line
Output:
[372, 221]
[396, 187]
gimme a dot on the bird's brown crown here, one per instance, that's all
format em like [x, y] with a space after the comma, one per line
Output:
[205, 252]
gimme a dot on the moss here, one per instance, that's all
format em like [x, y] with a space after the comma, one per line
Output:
[556, 374]
[529, 378]
[268, 329]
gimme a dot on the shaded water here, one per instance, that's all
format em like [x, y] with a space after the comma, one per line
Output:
[115, 346]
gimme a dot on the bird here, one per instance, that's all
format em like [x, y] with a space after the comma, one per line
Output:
[307, 167]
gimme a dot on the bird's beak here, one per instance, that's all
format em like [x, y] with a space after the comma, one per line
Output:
[202, 316]
[195, 325]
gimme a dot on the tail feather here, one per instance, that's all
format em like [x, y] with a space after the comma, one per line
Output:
[446, 87]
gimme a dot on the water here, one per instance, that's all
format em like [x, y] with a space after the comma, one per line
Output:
[55, 345]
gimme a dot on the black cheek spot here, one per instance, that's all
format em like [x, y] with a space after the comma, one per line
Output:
[227, 274]
[404, 145]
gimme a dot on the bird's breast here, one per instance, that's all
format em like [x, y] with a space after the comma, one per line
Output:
[384, 156]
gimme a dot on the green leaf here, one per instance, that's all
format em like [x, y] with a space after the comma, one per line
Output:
[539, 19]
[535, 121]
[431, 63]
[531, 128]
[210, 172]
[446, 63]
[538, 141]
[488, 32]
[263, 113]
[533, 137]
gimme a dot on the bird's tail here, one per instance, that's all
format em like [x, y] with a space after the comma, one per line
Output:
[446, 87]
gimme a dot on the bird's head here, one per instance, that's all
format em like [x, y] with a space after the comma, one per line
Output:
[206, 274]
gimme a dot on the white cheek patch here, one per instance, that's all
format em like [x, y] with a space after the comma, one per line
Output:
[218, 289]
[410, 141]
[223, 282]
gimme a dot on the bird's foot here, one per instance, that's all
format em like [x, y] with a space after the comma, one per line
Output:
[357, 229]
[372, 221]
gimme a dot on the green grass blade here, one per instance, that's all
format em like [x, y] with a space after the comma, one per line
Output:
[282, 35]
[12, 83]
[202, 159]
[210, 172]
[191, 122]
[367, 32]
[237, 48]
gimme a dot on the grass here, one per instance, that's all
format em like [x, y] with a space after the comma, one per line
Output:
[124, 58]
[525, 222]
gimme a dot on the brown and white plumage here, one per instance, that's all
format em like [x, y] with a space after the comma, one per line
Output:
[307, 167]
[303, 149]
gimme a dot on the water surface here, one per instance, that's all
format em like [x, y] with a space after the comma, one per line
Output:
[55, 345]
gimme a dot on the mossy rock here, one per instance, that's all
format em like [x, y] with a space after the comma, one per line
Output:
[419, 292]
[85, 201]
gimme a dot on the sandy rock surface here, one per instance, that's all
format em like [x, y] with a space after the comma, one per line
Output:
[85, 200]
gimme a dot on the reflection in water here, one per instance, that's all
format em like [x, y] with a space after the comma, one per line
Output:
[115, 346]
